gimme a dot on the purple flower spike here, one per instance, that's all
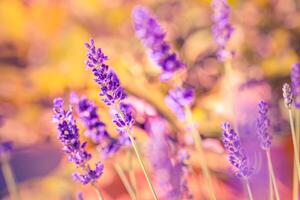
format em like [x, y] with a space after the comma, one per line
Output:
[96, 129]
[69, 137]
[178, 98]
[111, 89]
[237, 157]
[152, 35]
[287, 95]
[295, 78]
[263, 124]
[221, 29]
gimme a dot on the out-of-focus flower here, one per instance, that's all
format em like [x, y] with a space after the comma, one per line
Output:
[295, 79]
[79, 196]
[178, 99]
[88, 114]
[170, 171]
[237, 156]
[221, 29]
[96, 129]
[5, 147]
[263, 124]
[72, 146]
[153, 37]
[109, 82]
[287, 95]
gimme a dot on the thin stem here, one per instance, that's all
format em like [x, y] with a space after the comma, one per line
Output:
[9, 178]
[139, 157]
[248, 189]
[98, 192]
[124, 180]
[271, 191]
[295, 181]
[131, 172]
[271, 171]
[296, 153]
[198, 144]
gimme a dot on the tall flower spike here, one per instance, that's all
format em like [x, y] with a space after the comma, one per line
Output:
[152, 35]
[237, 156]
[221, 29]
[96, 130]
[295, 79]
[178, 98]
[69, 137]
[263, 124]
[287, 95]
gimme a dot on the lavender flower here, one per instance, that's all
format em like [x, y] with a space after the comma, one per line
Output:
[5, 148]
[153, 36]
[295, 78]
[170, 171]
[222, 29]
[96, 129]
[69, 137]
[263, 124]
[79, 196]
[178, 98]
[110, 86]
[111, 90]
[237, 157]
[287, 95]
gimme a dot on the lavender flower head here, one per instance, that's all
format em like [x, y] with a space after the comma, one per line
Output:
[110, 86]
[68, 134]
[237, 157]
[178, 99]
[295, 79]
[111, 89]
[6, 148]
[221, 29]
[287, 95]
[152, 35]
[263, 124]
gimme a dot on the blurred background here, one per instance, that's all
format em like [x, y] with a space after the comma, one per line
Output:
[42, 56]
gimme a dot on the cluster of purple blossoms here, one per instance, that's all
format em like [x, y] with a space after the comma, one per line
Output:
[111, 89]
[221, 29]
[287, 95]
[96, 129]
[153, 37]
[178, 99]
[295, 79]
[263, 124]
[237, 156]
[69, 137]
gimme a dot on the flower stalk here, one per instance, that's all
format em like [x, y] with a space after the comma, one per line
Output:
[271, 172]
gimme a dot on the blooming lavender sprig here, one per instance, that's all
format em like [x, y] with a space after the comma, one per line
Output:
[287, 95]
[152, 35]
[178, 99]
[295, 79]
[263, 124]
[221, 29]
[111, 89]
[96, 129]
[237, 156]
[69, 136]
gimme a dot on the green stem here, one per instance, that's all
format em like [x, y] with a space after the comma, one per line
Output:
[9, 178]
[125, 181]
[271, 171]
[248, 189]
[296, 153]
[139, 157]
[199, 147]
[98, 192]
[131, 172]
